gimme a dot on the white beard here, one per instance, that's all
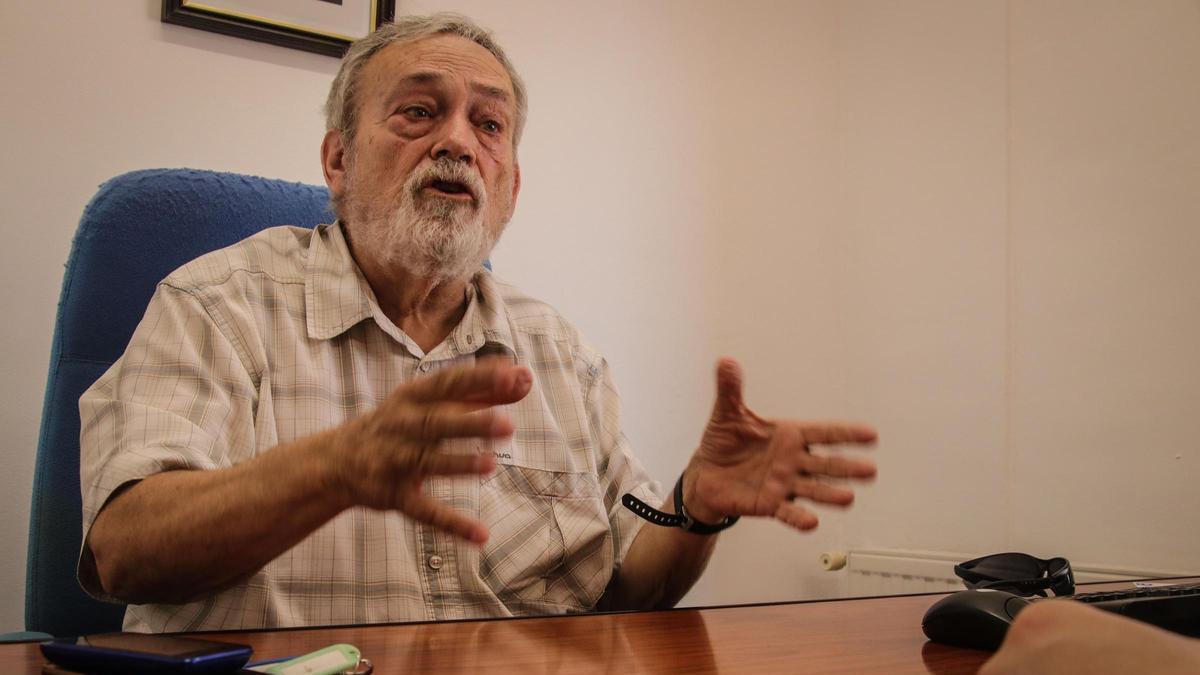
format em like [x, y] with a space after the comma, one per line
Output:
[430, 237]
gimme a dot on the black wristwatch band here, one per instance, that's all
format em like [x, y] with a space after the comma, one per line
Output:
[679, 519]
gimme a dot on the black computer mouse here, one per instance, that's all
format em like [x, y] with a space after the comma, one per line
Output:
[977, 619]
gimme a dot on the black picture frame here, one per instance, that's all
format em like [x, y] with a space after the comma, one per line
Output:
[179, 13]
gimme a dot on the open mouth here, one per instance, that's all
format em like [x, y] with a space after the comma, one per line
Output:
[450, 189]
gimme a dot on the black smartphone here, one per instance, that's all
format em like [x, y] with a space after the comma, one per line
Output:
[145, 653]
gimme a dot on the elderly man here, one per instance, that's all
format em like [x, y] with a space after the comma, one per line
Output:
[359, 423]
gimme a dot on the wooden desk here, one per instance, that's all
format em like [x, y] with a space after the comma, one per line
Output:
[870, 635]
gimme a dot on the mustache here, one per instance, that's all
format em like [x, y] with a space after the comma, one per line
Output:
[447, 171]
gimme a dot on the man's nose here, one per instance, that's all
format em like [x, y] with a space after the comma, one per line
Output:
[457, 141]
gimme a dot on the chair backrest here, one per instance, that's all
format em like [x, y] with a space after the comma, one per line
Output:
[137, 229]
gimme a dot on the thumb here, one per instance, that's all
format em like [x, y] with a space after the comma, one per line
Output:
[729, 389]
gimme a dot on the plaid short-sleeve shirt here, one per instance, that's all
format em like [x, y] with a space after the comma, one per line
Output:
[279, 337]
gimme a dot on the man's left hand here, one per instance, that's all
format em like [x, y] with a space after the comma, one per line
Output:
[750, 466]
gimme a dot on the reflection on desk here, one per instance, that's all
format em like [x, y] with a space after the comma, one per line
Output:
[870, 635]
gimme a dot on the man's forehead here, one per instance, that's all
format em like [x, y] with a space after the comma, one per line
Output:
[431, 58]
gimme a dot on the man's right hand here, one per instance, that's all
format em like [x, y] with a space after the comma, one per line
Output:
[181, 535]
[381, 458]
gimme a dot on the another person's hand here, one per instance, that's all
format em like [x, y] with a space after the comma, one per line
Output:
[1063, 636]
[381, 458]
[750, 466]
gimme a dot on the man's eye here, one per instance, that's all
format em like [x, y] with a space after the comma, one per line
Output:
[491, 126]
[416, 112]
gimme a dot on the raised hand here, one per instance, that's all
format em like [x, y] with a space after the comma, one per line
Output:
[750, 466]
[381, 458]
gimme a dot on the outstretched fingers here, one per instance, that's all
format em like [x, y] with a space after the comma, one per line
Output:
[836, 466]
[730, 380]
[730, 410]
[440, 516]
[834, 433]
[489, 382]
[794, 515]
[438, 463]
[436, 421]
[816, 491]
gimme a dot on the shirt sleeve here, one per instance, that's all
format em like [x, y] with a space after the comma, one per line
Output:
[619, 470]
[180, 398]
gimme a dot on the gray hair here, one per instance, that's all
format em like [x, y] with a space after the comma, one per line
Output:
[341, 112]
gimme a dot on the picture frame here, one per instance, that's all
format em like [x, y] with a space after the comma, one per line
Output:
[322, 26]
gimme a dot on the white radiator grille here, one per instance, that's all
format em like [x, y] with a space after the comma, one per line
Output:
[891, 572]
[887, 572]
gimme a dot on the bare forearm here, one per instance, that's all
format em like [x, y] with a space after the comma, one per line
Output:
[660, 568]
[181, 535]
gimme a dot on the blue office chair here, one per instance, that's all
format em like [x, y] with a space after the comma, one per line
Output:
[137, 229]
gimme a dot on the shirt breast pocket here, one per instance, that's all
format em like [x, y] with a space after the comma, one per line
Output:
[550, 547]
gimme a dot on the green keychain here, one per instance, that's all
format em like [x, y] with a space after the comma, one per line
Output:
[332, 660]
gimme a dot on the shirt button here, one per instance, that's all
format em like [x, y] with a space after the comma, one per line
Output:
[470, 339]
[435, 562]
[424, 367]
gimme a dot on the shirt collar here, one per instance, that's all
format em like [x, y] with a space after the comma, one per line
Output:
[337, 296]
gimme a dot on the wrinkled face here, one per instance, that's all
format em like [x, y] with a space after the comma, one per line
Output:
[430, 178]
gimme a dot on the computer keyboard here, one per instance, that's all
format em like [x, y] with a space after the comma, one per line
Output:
[1175, 607]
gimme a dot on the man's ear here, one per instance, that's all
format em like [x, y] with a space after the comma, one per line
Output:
[333, 163]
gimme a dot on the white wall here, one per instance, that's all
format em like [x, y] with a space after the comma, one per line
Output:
[972, 224]
[923, 227]
[1105, 280]
[1022, 320]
